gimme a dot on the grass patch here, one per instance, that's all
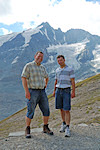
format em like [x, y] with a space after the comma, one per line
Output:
[90, 108]
[87, 112]
[94, 120]
[85, 82]
[87, 102]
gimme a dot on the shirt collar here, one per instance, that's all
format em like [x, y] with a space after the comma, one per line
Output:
[64, 67]
[35, 63]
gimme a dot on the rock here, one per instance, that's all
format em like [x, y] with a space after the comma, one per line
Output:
[95, 124]
[83, 125]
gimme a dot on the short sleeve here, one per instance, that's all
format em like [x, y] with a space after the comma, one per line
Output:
[45, 73]
[25, 72]
[72, 74]
[55, 75]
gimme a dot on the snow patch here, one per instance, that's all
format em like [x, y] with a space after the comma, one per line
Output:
[69, 51]
[15, 60]
[54, 35]
[96, 62]
[50, 60]
[64, 38]
[45, 32]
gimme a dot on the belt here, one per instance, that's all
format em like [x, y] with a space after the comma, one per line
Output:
[64, 88]
[37, 89]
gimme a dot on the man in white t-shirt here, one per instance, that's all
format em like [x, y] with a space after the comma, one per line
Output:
[64, 79]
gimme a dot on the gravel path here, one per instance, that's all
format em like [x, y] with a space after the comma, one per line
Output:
[82, 138]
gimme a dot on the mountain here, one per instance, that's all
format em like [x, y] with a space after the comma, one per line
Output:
[80, 48]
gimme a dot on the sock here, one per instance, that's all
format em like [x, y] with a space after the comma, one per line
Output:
[46, 125]
[64, 122]
[68, 126]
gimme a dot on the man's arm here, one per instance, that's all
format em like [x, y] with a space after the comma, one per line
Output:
[25, 86]
[46, 82]
[54, 87]
[73, 87]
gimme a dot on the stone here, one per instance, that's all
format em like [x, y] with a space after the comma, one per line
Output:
[20, 133]
[83, 125]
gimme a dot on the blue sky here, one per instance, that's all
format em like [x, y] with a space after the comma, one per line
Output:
[19, 15]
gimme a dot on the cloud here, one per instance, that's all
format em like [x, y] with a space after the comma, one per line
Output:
[5, 7]
[93, 1]
[65, 14]
[5, 31]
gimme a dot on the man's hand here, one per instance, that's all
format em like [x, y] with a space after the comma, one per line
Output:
[72, 94]
[45, 86]
[54, 93]
[73, 88]
[46, 82]
[27, 94]
[54, 88]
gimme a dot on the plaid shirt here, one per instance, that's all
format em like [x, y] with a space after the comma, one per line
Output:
[35, 75]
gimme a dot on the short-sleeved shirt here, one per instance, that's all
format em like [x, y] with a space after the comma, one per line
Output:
[63, 76]
[35, 75]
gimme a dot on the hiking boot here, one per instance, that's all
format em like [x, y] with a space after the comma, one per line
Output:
[47, 130]
[27, 132]
[63, 127]
[67, 132]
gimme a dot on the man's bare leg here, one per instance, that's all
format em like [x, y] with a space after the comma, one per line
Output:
[67, 117]
[62, 114]
[63, 125]
[45, 119]
[28, 121]
[67, 130]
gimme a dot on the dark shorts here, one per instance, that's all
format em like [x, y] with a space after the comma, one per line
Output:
[63, 99]
[37, 97]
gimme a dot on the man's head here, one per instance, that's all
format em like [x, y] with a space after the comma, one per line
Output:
[61, 60]
[38, 57]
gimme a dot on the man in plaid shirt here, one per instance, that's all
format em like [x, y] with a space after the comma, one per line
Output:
[35, 80]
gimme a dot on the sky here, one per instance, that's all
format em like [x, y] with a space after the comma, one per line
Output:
[20, 15]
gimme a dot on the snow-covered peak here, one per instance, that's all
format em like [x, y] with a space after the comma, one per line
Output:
[7, 37]
[28, 33]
